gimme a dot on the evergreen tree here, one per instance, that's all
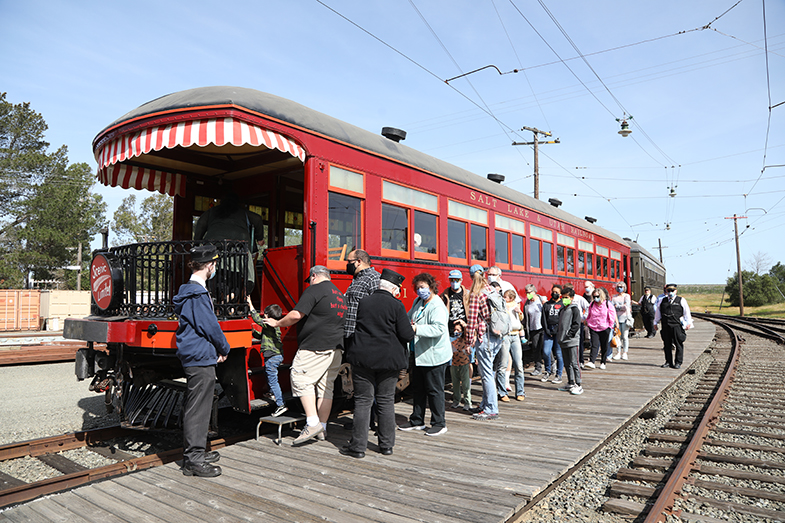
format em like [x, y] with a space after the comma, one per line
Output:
[758, 289]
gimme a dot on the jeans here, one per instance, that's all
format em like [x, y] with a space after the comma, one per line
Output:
[461, 383]
[486, 354]
[516, 353]
[625, 337]
[370, 385]
[500, 366]
[427, 384]
[271, 366]
[551, 344]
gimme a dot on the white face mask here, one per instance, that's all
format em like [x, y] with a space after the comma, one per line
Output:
[492, 278]
[456, 285]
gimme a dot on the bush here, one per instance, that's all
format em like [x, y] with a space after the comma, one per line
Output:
[759, 289]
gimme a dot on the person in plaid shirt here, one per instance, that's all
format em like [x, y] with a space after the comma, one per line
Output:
[365, 283]
[487, 344]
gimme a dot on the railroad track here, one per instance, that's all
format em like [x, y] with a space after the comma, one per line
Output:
[68, 472]
[47, 352]
[724, 450]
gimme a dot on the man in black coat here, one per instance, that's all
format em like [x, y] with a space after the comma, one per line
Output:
[378, 353]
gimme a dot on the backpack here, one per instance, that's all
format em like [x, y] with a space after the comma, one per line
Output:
[499, 320]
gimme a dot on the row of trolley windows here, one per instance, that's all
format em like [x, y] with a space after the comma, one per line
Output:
[409, 230]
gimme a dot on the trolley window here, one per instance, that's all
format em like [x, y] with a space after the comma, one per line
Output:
[509, 244]
[467, 219]
[420, 223]
[395, 228]
[456, 239]
[347, 192]
[540, 249]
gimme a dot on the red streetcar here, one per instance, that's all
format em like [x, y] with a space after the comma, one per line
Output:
[323, 188]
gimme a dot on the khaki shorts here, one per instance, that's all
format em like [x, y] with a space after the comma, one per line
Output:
[315, 369]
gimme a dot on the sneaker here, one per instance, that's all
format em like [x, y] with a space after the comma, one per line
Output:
[504, 399]
[520, 398]
[566, 388]
[307, 433]
[482, 416]
[557, 379]
[624, 356]
[322, 435]
[408, 426]
[602, 366]
[280, 410]
[617, 356]
[509, 389]
[577, 390]
[581, 365]
[590, 365]
[435, 431]
[536, 373]
[545, 377]
[468, 407]
[456, 404]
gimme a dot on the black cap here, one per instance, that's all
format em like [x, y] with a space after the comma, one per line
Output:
[392, 277]
[671, 286]
[204, 253]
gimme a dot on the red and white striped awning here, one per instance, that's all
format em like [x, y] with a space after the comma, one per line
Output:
[218, 131]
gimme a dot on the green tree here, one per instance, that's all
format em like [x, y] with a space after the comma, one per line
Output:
[151, 223]
[759, 289]
[47, 206]
[778, 273]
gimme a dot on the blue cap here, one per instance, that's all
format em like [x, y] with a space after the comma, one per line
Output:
[455, 274]
[474, 268]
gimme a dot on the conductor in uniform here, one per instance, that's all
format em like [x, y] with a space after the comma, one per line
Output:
[674, 314]
[377, 355]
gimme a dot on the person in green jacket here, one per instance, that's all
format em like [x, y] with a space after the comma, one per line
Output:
[432, 353]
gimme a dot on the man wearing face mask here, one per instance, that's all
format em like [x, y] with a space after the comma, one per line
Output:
[551, 348]
[456, 298]
[495, 275]
[365, 283]
[674, 313]
[201, 345]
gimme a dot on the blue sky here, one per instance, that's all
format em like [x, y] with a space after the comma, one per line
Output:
[699, 99]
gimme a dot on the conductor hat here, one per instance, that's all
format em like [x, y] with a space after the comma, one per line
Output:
[204, 253]
[392, 277]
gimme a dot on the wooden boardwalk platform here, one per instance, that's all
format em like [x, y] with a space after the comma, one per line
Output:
[476, 472]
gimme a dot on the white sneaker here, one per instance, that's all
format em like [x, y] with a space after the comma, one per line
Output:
[617, 356]
[591, 365]
[576, 390]
[624, 356]
[602, 366]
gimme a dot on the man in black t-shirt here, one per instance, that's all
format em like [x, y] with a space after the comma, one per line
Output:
[319, 316]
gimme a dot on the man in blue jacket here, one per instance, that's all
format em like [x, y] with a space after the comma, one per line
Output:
[201, 345]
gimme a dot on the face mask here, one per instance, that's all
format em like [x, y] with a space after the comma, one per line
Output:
[566, 301]
[530, 296]
[620, 289]
[212, 274]
[350, 268]
[597, 299]
[555, 295]
[589, 290]
[671, 294]
[456, 285]
[423, 293]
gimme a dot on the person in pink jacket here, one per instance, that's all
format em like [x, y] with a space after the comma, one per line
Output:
[601, 320]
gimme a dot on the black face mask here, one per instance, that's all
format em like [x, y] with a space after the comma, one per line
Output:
[351, 267]
[555, 295]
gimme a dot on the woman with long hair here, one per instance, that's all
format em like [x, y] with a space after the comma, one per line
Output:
[623, 305]
[601, 320]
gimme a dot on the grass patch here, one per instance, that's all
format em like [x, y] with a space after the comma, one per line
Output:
[706, 298]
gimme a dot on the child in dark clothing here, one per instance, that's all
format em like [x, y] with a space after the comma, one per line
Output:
[271, 350]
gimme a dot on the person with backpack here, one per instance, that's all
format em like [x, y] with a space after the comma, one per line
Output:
[550, 325]
[503, 356]
[480, 334]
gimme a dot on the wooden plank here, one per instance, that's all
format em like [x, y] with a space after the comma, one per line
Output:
[118, 508]
[178, 506]
[748, 446]
[776, 515]
[749, 492]
[667, 438]
[652, 463]
[640, 475]
[623, 507]
[255, 507]
[112, 453]
[69, 501]
[619, 488]
[7, 481]
[764, 464]
[147, 503]
[61, 463]
[52, 512]
[740, 474]
[655, 450]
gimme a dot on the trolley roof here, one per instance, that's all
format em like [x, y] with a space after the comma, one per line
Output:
[298, 115]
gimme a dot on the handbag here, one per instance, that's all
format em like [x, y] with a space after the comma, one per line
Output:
[616, 340]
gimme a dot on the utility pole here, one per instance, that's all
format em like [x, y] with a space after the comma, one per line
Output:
[535, 143]
[659, 242]
[79, 270]
[738, 260]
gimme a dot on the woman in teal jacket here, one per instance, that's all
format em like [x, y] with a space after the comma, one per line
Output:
[432, 353]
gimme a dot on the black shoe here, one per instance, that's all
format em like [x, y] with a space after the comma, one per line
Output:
[353, 453]
[211, 456]
[665, 365]
[385, 451]
[677, 366]
[204, 470]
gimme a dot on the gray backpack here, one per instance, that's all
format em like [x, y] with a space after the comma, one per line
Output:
[499, 320]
